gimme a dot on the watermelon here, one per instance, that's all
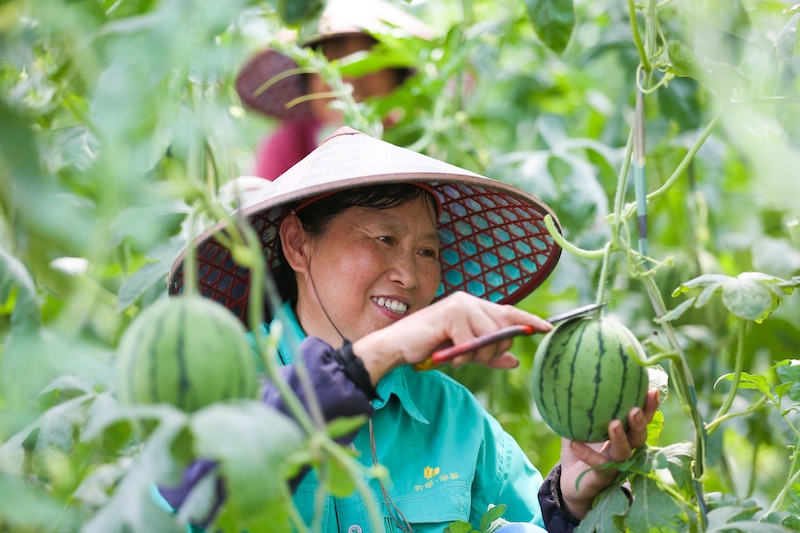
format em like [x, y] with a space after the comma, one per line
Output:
[586, 373]
[187, 351]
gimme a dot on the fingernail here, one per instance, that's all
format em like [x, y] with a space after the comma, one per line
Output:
[574, 446]
[637, 415]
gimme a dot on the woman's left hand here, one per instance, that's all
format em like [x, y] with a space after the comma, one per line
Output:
[578, 457]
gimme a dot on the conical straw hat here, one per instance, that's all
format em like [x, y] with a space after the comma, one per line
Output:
[493, 240]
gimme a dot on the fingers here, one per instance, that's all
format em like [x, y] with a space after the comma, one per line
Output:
[479, 318]
[638, 419]
[620, 443]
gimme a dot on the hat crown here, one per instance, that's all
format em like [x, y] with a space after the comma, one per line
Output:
[349, 157]
[346, 17]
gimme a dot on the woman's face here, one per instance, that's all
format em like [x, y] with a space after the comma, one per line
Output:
[368, 269]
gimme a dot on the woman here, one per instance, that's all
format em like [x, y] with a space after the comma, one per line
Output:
[345, 27]
[384, 255]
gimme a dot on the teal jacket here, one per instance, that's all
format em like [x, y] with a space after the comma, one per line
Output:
[448, 458]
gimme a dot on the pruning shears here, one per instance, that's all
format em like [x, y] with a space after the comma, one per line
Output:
[446, 354]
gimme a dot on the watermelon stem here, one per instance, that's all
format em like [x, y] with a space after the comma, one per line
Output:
[568, 246]
[737, 372]
[686, 396]
[791, 482]
[714, 424]
[601, 285]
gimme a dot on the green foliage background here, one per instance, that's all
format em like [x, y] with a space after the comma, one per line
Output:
[119, 124]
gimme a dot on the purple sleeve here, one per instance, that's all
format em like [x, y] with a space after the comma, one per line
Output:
[337, 396]
[557, 518]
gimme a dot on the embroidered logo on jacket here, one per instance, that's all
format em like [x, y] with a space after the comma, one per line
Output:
[433, 476]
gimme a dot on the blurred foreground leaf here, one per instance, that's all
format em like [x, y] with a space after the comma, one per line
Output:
[553, 21]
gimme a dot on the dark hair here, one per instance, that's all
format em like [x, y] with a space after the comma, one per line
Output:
[316, 217]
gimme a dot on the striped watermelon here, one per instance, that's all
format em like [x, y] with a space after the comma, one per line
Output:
[586, 374]
[187, 351]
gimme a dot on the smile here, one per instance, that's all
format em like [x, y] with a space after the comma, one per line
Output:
[392, 305]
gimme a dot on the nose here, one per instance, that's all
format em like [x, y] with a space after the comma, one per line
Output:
[405, 270]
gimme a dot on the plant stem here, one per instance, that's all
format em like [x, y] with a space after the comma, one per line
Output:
[622, 183]
[601, 285]
[737, 373]
[687, 397]
[793, 478]
[255, 307]
[713, 425]
[640, 183]
[637, 38]
[568, 246]
[686, 160]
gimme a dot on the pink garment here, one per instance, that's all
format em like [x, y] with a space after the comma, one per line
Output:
[291, 142]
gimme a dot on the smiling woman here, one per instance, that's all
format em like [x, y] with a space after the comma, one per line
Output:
[382, 256]
[382, 240]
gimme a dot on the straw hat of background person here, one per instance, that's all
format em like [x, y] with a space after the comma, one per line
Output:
[340, 19]
[493, 239]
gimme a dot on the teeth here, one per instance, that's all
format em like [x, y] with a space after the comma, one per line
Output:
[392, 305]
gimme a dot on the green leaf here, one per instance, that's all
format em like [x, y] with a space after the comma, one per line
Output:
[750, 295]
[25, 508]
[339, 427]
[152, 275]
[721, 78]
[339, 476]
[251, 443]
[748, 381]
[459, 527]
[297, 12]
[679, 458]
[706, 280]
[788, 370]
[610, 503]
[653, 510]
[722, 520]
[491, 514]
[17, 287]
[748, 299]
[658, 379]
[655, 427]
[132, 507]
[786, 42]
[553, 21]
[674, 314]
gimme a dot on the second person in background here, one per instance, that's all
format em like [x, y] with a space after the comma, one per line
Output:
[344, 28]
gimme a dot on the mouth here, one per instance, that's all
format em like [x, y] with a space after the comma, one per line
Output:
[394, 306]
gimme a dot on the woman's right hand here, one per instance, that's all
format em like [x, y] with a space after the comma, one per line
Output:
[456, 319]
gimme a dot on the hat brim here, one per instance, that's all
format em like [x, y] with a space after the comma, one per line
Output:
[493, 240]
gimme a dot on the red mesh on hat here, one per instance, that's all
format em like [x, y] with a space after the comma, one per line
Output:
[493, 245]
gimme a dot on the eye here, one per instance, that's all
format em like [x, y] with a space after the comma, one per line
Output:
[386, 239]
[429, 252]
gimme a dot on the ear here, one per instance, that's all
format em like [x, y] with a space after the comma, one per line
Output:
[292, 240]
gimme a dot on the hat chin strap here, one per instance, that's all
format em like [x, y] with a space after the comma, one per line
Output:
[311, 280]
